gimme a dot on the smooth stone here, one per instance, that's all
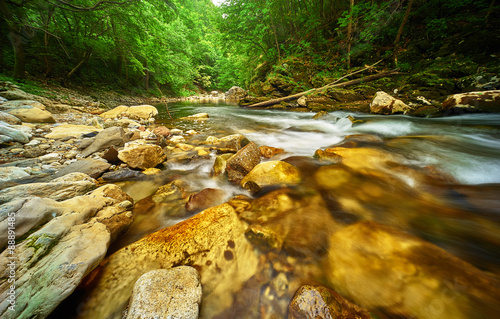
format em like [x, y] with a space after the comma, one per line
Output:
[114, 113]
[239, 165]
[12, 173]
[383, 103]
[93, 168]
[113, 136]
[142, 156]
[120, 175]
[206, 198]
[9, 118]
[51, 157]
[271, 173]
[142, 112]
[196, 117]
[166, 293]
[21, 104]
[15, 132]
[70, 130]
[33, 115]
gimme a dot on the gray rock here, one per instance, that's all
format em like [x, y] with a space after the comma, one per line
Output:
[242, 163]
[51, 262]
[14, 132]
[166, 293]
[93, 168]
[16, 94]
[122, 175]
[5, 139]
[236, 92]
[11, 173]
[113, 136]
[9, 118]
[21, 104]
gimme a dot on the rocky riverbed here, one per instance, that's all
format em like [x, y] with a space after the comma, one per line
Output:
[82, 189]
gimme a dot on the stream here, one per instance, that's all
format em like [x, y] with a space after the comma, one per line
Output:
[437, 179]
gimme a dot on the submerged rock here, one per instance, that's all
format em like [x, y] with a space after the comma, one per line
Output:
[318, 302]
[379, 267]
[206, 198]
[213, 242]
[271, 173]
[166, 293]
[383, 103]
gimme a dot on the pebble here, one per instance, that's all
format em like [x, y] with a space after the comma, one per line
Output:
[71, 154]
[16, 150]
[51, 157]
[177, 139]
[176, 131]
[33, 143]
[44, 146]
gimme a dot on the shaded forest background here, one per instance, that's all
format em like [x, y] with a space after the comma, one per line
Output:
[178, 48]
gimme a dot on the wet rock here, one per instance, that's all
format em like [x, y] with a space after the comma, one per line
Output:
[170, 192]
[271, 173]
[213, 242]
[220, 164]
[379, 267]
[113, 136]
[318, 302]
[235, 93]
[320, 114]
[196, 117]
[12, 173]
[70, 130]
[234, 142]
[166, 293]
[328, 154]
[15, 132]
[142, 156]
[9, 118]
[52, 261]
[93, 168]
[483, 101]
[239, 165]
[61, 188]
[268, 151]
[383, 103]
[120, 175]
[264, 238]
[206, 198]
[33, 115]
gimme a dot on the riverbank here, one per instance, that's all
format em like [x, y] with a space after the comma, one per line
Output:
[261, 204]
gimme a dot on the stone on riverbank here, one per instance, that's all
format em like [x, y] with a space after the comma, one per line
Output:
[166, 293]
[93, 168]
[70, 130]
[14, 132]
[113, 136]
[383, 103]
[142, 156]
[239, 165]
[9, 118]
[236, 93]
[137, 112]
[52, 261]
[33, 115]
[484, 101]
[213, 242]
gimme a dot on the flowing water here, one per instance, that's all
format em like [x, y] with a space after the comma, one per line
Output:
[437, 179]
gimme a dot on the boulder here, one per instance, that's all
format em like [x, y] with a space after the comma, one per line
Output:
[113, 136]
[91, 167]
[12, 173]
[142, 156]
[234, 142]
[33, 115]
[115, 113]
[21, 104]
[484, 101]
[9, 118]
[220, 163]
[271, 173]
[52, 261]
[302, 101]
[15, 132]
[124, 174]
[236, 93]
[379, 267]
[166, 293]
[142, 112]
[70, 130]
[16, 94]
[239, 165]
[383, 103]
[213, 242]
[61, 188]
[269, 151]
[311, 302]
[206, 198]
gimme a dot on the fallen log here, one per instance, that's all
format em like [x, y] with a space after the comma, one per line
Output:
[331, 85]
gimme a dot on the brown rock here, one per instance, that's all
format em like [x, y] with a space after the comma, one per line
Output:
[162, 131]
[484, 101]
[242, 163]
[142, 156]
[268, 151]
[206, 198]
[383, 103]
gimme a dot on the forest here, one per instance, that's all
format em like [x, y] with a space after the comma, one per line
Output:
[180, 48]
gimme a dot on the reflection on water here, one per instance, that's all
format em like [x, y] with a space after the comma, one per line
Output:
[403, 220]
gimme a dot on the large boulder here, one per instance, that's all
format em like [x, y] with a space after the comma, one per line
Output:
[33, 115]
[383, 103]
[51, 261]
[115, 113]
[484, 101]
[242, 162]
[9, 118]
[21, 104]
[113, 136]
[311, 302]
[271, 173]
[166, 293]
[70, 130]
[236, 93]
[142, 112]
[14, 132]
[379, 267]
[61, 188]
[212, 241]
[142, 156]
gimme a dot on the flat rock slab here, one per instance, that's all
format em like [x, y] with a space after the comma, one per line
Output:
[70, 130]
[93, 168]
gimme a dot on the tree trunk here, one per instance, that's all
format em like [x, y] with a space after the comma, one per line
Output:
[86, 56]
[16, 41]
[332, 85]
[349, 35]
[146, 79]
[400, 31]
